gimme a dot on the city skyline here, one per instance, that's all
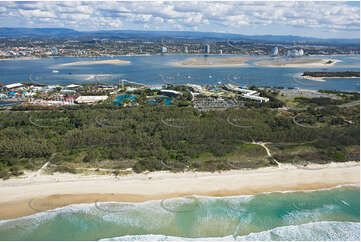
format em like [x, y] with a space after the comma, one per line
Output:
[309, 19]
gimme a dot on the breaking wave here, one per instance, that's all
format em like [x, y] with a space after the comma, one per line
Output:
[330, 231]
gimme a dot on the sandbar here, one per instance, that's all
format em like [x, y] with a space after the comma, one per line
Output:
[322, 79]
[299, 62]
[40, 192]
[214, 62]
[80, 63]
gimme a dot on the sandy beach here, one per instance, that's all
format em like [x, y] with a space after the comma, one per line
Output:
[80, 63]
[36, 192]
[299, 62]
[215, 62]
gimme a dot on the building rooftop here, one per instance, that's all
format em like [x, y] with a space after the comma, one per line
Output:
[14, 85]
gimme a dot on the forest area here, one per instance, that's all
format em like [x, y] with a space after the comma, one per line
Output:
[172, 138]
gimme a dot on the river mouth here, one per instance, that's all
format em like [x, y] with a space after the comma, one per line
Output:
[147, 70]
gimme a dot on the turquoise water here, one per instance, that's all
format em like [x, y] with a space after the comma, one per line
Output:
[157, 100]
[318, 215]
[120, 99]
[156, 70]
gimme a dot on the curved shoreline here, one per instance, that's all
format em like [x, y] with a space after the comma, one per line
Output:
[52, 191]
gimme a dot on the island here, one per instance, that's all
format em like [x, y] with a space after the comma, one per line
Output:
[321, 75]
[298, 62]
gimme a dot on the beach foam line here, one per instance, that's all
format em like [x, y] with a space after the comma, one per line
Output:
[94, 206]
[345, 231]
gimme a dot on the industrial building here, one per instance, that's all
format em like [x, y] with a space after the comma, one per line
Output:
[14, 85]
[91, 99]
[246, 93]
[170, 93]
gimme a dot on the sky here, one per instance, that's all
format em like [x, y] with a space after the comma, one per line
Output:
[302, 18]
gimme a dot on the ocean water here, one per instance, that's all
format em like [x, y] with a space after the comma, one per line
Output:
[332, 214]
[156, 70]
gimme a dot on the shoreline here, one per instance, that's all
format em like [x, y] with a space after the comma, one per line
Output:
[34, 193]
[22, 58]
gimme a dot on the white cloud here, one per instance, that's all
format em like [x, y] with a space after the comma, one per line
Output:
[229, 16]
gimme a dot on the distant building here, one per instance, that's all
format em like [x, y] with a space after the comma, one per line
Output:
[54, 51]
[274, 51]
[207, 49]
[186, 49]
[246, 93]
[295, 52]
[164, 49]
[14, 85]
[91, 99]
[3, 96]
[72, 86]
[170, 93]
[67, 91]
[220, 52]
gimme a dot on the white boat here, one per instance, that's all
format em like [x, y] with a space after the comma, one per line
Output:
[55, 71]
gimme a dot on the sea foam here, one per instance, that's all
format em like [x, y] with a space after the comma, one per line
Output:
[330, 231]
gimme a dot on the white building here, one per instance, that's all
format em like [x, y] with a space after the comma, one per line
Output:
[91, 99]
[54, 51]
[14, 85]
[207, 49]
[274, 51]
[196, 88]
[164, 49]
[246, 93]
[170, 93]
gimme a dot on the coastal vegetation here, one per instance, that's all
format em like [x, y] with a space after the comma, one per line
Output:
[332, 74]
[173, 137]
